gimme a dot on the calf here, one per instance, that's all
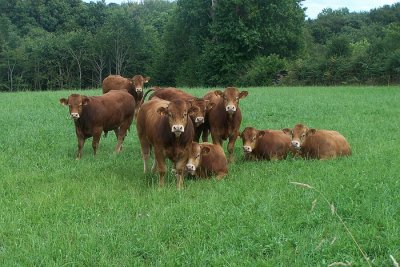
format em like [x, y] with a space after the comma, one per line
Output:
[223, 120]
[165, 126]
[93, 115]
[207, 159]
[318, 144]
[171, 93]
[134, 86]
[265, 144]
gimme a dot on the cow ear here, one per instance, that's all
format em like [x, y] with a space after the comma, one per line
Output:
[243, 94]
[162, 110]
[146, 79]
[287, 131]
[260, 134]
[193, 109]
[205, 150]
[219, 93]
[85, 100]
[64, 101]
[311, 131]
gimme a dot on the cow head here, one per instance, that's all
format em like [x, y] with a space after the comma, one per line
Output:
[249, 137]
[138, 82]
[231, 97]
[177, 112]
[202, 107]
[196, 152]
[298, 134]
[75, 103]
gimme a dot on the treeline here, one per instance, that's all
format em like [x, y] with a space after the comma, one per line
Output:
[56, 44]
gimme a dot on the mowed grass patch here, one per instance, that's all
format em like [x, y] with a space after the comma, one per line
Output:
[103, 211]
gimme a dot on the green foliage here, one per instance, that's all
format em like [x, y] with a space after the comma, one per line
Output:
[263, 71]
[103, 211]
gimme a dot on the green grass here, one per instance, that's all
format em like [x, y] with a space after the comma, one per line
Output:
[103, 211]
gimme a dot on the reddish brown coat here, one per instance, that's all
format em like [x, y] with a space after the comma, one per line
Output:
[165, 126]
[265, 144]
[171, 93]
[223, 120]
[207, 159]
[134, 85]
[318, 144]
[95, 114]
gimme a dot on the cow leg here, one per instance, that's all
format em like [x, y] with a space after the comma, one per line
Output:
[121, 133]
[180, 167]
[145, 154]
[160, 158]
[81, 142]
[205, 134]
[197, 133]
[231, 146]
[216, 139]
[96, 140]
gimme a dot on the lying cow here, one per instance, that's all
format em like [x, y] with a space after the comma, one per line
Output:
[95, 114]
[223, 120]
[265, 144]
[207, 159]
[318, 144]
[165, 125]
[134, 86]
[171, 93]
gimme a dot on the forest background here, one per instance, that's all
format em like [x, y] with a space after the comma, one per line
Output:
[56, 44]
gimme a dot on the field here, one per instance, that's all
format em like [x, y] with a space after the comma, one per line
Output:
[103, 211]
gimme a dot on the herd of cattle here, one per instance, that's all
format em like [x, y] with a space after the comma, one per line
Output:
[172, 121]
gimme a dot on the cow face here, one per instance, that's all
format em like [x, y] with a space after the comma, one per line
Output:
[138, 82]
[202, 107]
[75, 103]
[196, 151]
[249, 137]
[178, 112]
[231, 97]
[298, 134]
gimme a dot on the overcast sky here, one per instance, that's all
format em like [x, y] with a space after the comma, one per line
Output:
[315, 6]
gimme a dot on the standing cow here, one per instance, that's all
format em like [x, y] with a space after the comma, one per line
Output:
[223, 120]
[318, 144]
[265, 144]
[95, 114]
[207, 159]
[171, 93]
[165, 125]
[134, 86]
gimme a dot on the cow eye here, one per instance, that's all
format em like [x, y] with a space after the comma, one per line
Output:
[254, 138]
[303, 135]
[184, 115]
[198, 155]
[237, 98]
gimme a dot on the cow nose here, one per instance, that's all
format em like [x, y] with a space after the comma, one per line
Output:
[230, 108]
[139, 89]
[178, 128]
[190, 167]
[199, 120]
[75, 116]
[247, 149]
[296, 144]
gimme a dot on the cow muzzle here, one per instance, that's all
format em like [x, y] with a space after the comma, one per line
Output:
[75, 116]
[247, 149]
[230, 109]
[190, 168]
[139, 90]
[296, 144]
[177, 129]
[199, 120]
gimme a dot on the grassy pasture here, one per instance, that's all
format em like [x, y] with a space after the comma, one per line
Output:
[103, 211]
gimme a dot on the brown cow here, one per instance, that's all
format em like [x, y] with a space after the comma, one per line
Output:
[134, 86]
[318, 144]
[165, 126]
[207, 159]
[95, 114]
[265, 144]
[224, 118]
[171, 93]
